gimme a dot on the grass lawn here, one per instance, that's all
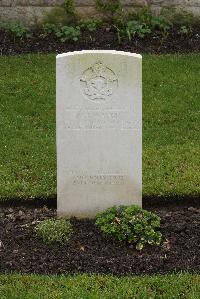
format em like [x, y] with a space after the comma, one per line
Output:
[170, 126]
[184, 286]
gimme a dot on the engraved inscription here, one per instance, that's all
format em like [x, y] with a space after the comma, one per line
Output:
[99, 180]
[98, 82]
[102, 119]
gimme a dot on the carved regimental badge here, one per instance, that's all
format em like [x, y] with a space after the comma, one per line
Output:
[98, 82]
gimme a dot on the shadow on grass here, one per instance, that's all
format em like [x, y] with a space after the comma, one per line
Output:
[148, 201]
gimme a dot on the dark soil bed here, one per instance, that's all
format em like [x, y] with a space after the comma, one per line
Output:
[103, 38]
[89, 251]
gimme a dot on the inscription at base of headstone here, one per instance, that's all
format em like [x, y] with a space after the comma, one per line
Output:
[99, 131]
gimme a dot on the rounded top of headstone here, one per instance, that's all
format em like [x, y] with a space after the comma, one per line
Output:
[113, 52]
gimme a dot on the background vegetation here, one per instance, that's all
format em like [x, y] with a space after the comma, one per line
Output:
[65, 25]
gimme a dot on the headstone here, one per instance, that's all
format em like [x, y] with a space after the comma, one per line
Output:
[99, 131]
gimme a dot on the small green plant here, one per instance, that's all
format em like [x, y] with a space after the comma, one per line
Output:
[134, 28]
[146, 17]
[17, 30]
[50, 28]
[142, 15]
[91, 24]
[64, 33]
[54, 230]
[131, 224]
[69, 7]
[184, 30]
[109, 7]
[67, 33]
[160, 23]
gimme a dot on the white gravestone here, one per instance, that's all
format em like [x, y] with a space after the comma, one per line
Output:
[99, 131]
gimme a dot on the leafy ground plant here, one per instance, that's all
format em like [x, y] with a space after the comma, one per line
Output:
[54, 230]
[133, 28]
[160, 23]
[132, 224]
[64, 33]
[91, 24]
[69, 7]
[17, 30]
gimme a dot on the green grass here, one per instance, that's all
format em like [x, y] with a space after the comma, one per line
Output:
[27, 113]
[184, 286]
[171, 122]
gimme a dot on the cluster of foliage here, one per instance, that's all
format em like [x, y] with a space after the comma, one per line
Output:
[91, 24]
[126, 223]
[142, 23]
[54, 230]
[131, 224]
[109, 7]
[64, 33]
[17, 30]
[69, 7]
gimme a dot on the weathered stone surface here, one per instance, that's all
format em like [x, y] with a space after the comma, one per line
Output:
[99, 131]
[44, 3]
[175, 2]
[87, 11]
[27, 3]
[26, 15]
